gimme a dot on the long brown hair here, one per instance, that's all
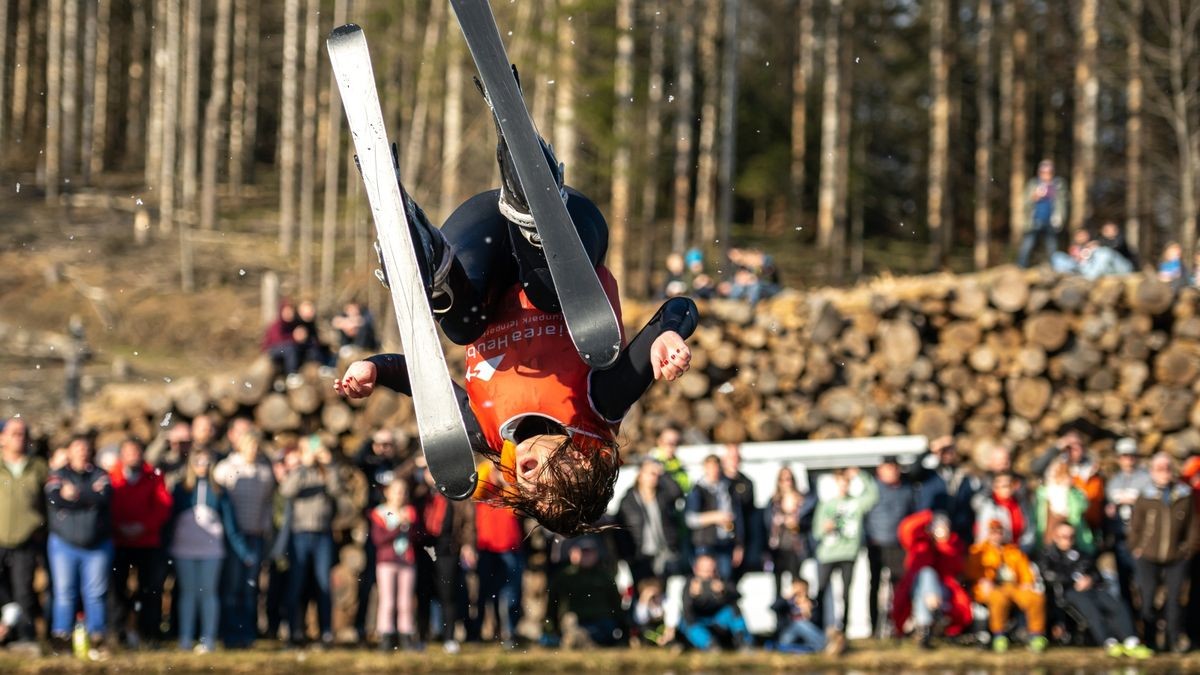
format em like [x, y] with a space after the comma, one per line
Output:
[190, 478]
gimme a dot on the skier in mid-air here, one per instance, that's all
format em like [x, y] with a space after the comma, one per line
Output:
[550, 421]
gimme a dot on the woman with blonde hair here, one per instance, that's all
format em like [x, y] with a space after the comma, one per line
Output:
[789, 525]
[202, 524]
[1057, 501]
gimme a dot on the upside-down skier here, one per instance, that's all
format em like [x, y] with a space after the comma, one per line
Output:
[550, 421]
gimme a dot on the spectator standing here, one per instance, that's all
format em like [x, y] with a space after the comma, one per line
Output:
[22, 527]
[168, 454]
[715, 519]
[1190, 474]
[1002, 578]
[1164, 534]
[1075, 583]
[742, 489]
[930, 588]
[377, 459]
[882, 524]
[1058, 500]
[1002, 504]
[248, 480]
[1083, 469]
[649, 514]
[449, 535]
[393, 532]
[1045, 212]
[838, 526]
[141, 506]
[789, 527]
[1122, 491]
[797, 632]
[666, 445]
[584, 606]
[312, 487]
[945, 484]
[203, 522]
[80, 549]
[710, 610]
[501, 565]
[204, 434]
[702, 285]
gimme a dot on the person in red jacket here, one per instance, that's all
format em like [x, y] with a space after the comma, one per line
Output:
[499, 537]
[141, 505]
[930, 589]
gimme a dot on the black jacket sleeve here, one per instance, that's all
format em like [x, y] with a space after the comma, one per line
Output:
[392, 372]
[614, 390]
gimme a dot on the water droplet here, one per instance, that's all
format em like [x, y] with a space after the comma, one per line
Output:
[241, 273]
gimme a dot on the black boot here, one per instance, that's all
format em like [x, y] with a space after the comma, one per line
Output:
[388, 642]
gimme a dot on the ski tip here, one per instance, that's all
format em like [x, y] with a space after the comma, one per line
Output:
[601, 359]
[459, 488]
[344, 31]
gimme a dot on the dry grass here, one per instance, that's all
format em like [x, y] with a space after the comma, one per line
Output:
[862, 657]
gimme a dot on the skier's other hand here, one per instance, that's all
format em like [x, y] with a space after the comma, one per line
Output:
[670, 356]
[359, 380]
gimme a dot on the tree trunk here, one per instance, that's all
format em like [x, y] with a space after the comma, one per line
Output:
[137, 134]
[156, 97]
[983, 145]
[190, 117]
[1020, 131]
[88, 107]
[237, 97]
[728, 157]
[333, 160]
[247, 162]
[214, 114]
[939, 130]
[566, 143]
[53, 146]
[656, 19]
[70, 88]
[22, 59]
[170, 119]
[827, 191]
[452, 142]
[416, 149]
[801, 76]
[287, 126]
[1087, 89]
[618, 221]
[685, 88]
[544, 93]
[308, 141]
[4, 21]
[841, 199]
[705, 233]
[1133, 127]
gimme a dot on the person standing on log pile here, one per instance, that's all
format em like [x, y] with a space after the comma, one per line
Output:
[1122, 491]
[896, 502]
[1082, 467]
[945, 483]
[22, 530]
[377, 459]
[1045, 212]
[1165, 535]
[742, 489]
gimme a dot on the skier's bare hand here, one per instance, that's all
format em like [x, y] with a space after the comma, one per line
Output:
[359, 380]
[670, 356]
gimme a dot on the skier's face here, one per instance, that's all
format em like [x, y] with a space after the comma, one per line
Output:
[532, 455]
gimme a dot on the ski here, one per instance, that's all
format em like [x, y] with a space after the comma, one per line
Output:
[589, 315]
[445, 440]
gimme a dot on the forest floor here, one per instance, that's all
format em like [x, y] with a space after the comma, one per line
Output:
[862, 656]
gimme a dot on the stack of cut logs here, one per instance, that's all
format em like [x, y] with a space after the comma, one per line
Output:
[1004, 355]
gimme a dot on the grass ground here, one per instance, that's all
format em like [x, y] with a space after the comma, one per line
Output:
[861, 657]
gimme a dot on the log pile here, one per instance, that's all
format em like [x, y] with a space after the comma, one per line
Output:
[1006, 355]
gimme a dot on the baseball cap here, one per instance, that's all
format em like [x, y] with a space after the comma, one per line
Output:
[1127, 446]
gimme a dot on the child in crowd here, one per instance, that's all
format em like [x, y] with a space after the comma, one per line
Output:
[649, 614]
[710, 610]
[1170, 268]
[797, 632]
[393, 525]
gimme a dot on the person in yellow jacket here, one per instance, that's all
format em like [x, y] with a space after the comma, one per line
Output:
[1001, 577]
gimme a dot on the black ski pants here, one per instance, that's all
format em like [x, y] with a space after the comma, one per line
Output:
[492, 255]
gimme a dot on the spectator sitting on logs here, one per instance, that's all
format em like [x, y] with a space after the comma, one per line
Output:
[754, 277]
[702, 285]
[796, 630]
[1045, 212]
[1165, 534]
[1090, 258]
[355, 328]
[1002, 577]
[1112, 238]
[676, 283]
[279, 342]
[584, 606]
[1170, 266]
[309, 346]
[1075, 585]
[1083, 469]
[710, 612]
[930, 592]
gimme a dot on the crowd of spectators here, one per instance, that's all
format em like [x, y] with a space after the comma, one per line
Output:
[295, 336]
[231, 537]
[752, 276]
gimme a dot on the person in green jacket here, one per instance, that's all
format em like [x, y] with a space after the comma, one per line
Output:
[1058, 500]
[22, 520]
[837, 526]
